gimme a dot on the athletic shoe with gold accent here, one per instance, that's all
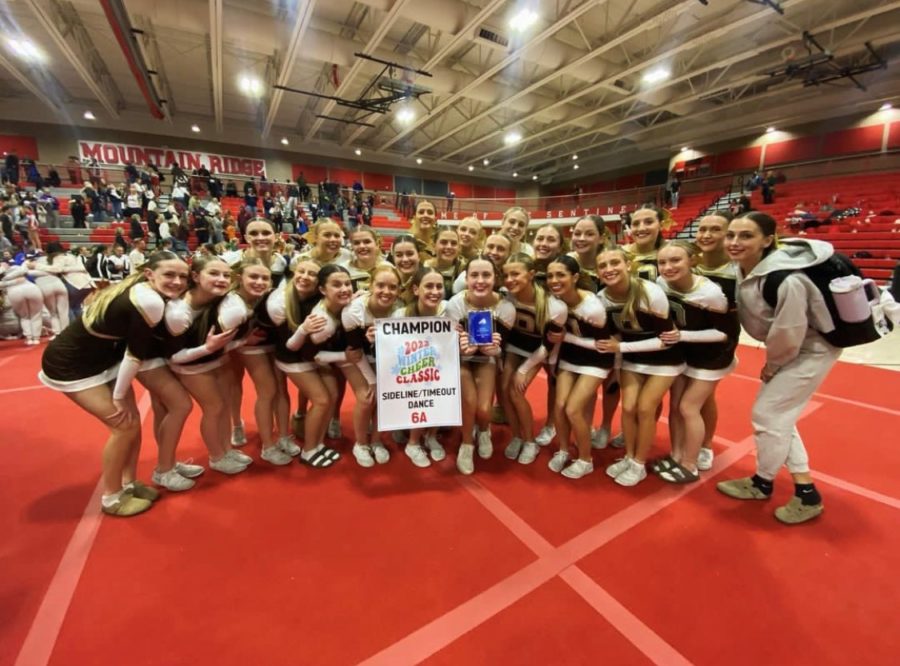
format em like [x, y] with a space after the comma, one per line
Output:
[142, 491]
[742, 489]
[126, 505]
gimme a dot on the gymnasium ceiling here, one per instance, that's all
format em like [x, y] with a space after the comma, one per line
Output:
[574, 82]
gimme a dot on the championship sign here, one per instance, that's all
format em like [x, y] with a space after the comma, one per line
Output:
[418, 373]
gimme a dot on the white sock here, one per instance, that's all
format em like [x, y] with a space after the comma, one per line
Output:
[110, 500]
[307, 455]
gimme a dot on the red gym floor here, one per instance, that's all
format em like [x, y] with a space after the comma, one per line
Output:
[397, 565]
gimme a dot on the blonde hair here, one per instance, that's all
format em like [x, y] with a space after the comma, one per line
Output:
[366, 229]
[100, 303]
[636, 291]
[292, 304]
[541, 309]
[412, 310]
[312, 236]
[414, 223]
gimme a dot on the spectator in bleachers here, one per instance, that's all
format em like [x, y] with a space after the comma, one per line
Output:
[231, 189]
[131, 173]
[674, 189]
[117, 266]
[251, 199]
[53, 179]
[11, 167]
[164, 229]
[78, 211]
[73, 166]
[768, 188]
[114, 194]
[136, 257]
[6, 223]
[135, 230]
[216, 232]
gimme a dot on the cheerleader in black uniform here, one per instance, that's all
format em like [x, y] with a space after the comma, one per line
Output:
[261, 238]
[515, 226]
[253, 349]
[423, 228]
[471, 237]
[447, 262]
[218, 318]
[308, 342]
[537, 315]
[647, 224]
[478, 372]
[715, 264]
[707, 330]
[367, 257]
[638, 312]
[589, 237]
[358, 320]
[94, 360]
[405, 257]
[326, 244]
[496, 248]
[428, 288]
[549, 243]
[581, 368]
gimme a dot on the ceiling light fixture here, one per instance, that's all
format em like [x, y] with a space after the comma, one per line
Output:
[574, 157]
[485, 161]
[887, 106]
[250, 86]
[25, 49]
[575, 167]
[769, 130]
[512, 138]
[684, 149]
[406, 115]
[89, 115]
[195, 128]
[523, 19]
[418, 160]
[284, 141]
[357, 152]
[534, 177]
[515, 174]
[471, 168]
[657, 75]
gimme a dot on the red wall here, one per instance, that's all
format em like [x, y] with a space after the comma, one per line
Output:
[344, 176]
[738, 160]
[894, 135]
[482, 192]
[853, 140]
[313, 174]
[25, 146]
[628, 182]
[378, 181]
[793, 150]
[461, 190]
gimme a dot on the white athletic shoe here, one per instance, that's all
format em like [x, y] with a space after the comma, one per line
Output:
[705, 459]
[289, 445]
[545, 436]
[618, 442]
[529, 453]
[512, 449]
[485, 445]
[435, 448]
[363, 455]
[189, 471]
[382, 455]
[171, 480]
[239, 457]
[633, 474]
[227, 465]
[578, 469]
[600, 438]
[465, 461]
[558, 461]
[617, 467]
[273, 454]
[417, 454]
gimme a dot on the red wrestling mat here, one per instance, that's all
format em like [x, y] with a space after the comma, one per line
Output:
[396, 565]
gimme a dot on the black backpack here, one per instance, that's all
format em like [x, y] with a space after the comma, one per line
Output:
[845, 334]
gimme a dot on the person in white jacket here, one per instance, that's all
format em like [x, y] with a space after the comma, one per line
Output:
[797, 357]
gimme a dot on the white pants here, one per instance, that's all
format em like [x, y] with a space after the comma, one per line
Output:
[56, 298]
[27, 302]
[780, 403]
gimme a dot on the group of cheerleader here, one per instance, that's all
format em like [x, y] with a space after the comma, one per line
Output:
[629, 324]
